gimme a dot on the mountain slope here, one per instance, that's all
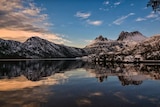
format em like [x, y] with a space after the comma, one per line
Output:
[36, 47]
[149, 49]
[9, 48]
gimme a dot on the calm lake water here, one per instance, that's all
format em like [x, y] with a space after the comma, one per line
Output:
[54, 83]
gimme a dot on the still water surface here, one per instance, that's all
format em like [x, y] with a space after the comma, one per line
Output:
[78, 84]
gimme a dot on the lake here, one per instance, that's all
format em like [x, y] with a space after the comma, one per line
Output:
[74, 83]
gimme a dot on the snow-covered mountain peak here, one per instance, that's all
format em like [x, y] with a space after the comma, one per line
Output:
[135, 36]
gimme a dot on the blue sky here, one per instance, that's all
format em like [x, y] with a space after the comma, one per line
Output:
[77, 22]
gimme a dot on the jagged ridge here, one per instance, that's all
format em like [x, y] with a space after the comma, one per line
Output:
[131, 36]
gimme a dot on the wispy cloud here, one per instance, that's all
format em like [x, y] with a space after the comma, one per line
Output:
[120, 20]
[83, 15]
[20, 19]
[132, 4]
[117, 3]
[139, 19]
[88, 41]
[104, 9]
[95, 22]
[106, 2]
[152, 15]
[107, 5]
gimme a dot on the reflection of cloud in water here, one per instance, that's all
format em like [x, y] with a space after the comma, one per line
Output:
[84, 102]
[123, 97]
[79, 73]
[29, 97]
[32, 104]
[87, 100]
[150, 99]
[96, 94]
[21, 82]
[21, 91]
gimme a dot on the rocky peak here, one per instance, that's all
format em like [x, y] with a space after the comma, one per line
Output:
[131, 36]
[34, 38]
[101, 38]
[37, 42]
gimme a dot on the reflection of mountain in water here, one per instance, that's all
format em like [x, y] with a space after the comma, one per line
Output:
[35, 70]
[128, 74]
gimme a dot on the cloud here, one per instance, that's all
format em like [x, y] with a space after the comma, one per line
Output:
[21, 19]
[139, 19]
[20, 35]
[120, 20]
[20, 15]
[106, 3]
[83, 15]
[123, 97]
[88, 41]
[104, 9]
[131, 4]
[152, 15]
[117, 3]
[95, 22]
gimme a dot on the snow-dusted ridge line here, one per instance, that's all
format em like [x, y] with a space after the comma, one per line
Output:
[36, 47]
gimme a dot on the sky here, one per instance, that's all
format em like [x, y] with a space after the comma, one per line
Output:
[75, 22]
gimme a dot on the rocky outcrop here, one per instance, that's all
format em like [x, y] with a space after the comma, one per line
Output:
[101, 38]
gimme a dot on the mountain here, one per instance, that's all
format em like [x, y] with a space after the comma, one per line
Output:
[129, 47]
[148, 49]
[36, 47]
[125, 41]
[103, 45]
[135, 36]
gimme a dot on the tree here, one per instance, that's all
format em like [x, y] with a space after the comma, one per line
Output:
[155, 4]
